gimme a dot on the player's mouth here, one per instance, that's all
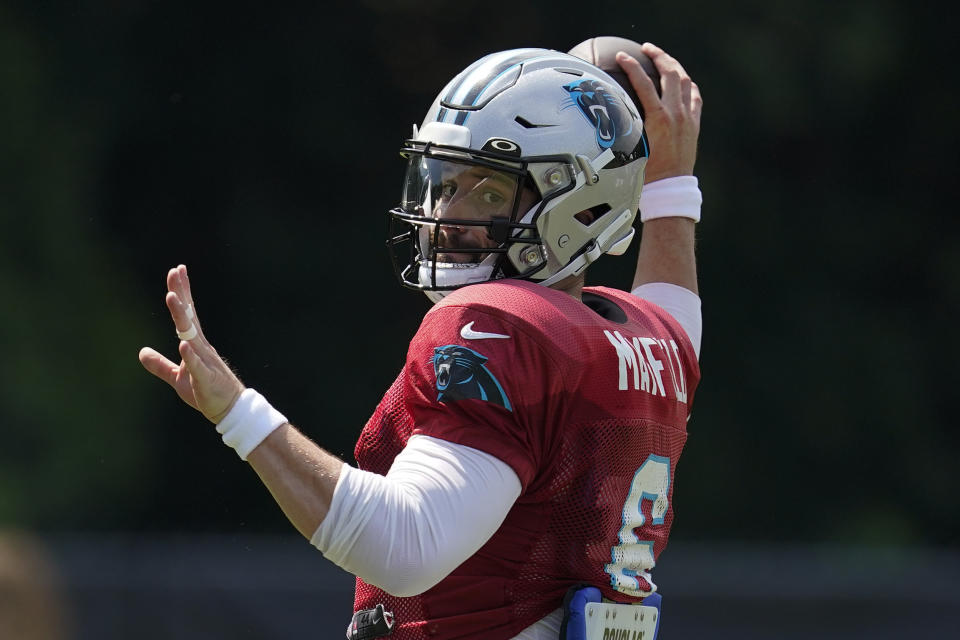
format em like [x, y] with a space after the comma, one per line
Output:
[461, 258]
[460, 251]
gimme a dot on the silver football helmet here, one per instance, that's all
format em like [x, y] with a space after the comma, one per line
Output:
[528, 165]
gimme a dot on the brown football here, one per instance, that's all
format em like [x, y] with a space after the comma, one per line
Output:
[601, 52]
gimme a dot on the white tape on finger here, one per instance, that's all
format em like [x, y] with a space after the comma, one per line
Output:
[189, 334]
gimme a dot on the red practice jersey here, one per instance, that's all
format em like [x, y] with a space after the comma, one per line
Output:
[587, 404]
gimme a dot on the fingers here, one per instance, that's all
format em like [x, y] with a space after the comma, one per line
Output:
[663, 61]
[184, 319]
[179, 284]
[192, 359]
[675, 82]
[202, 380]
[185, 281]
[673, 126]
[696, 102]
[180, 303]
[182, 315]
[200, 347]
[159, 366]
[641, 82]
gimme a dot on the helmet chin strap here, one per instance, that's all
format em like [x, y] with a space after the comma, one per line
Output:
[577, 266]
[447, 276]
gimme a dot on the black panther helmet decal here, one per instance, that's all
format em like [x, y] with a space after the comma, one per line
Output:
[461, 375]
[605, 111]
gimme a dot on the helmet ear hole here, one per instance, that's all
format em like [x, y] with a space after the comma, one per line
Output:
[588, 216]
[585, 217]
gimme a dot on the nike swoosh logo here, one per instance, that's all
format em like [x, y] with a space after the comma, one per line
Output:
[467, 333]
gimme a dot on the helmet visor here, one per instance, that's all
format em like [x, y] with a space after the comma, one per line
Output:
[460, 207]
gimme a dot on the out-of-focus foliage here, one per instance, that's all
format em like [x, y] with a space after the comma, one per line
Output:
[71, 411]
[259, 146]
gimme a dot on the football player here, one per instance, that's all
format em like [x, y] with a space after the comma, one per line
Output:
[525, 455]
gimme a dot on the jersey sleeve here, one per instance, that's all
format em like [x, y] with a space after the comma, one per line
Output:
[679, 302]
[484, 381]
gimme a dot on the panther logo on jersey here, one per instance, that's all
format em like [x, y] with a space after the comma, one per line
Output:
[461, 375]
[602, 109]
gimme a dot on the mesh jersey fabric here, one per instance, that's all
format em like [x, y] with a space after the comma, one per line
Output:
[583, 408]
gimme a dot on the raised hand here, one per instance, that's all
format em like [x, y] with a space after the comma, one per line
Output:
[202, 379]
[672, 121]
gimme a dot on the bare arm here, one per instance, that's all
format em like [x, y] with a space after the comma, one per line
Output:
[673, 126]
[667, 254]
[300, 475]
[404, 532]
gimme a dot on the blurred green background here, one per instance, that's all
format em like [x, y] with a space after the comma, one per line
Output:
[258, 145]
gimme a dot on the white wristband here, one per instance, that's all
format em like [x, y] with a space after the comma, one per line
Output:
[249, 422]
[677, 197]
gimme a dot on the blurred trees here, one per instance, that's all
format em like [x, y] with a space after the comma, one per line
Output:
[69, 406]
[259, 147]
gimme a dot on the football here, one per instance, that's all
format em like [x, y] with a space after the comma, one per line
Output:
[601, 52]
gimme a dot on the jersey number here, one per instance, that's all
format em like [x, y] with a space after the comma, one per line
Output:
[633, 558]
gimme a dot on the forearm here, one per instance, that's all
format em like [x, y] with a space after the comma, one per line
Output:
[300, 475]
[667, 253]
[670, 200]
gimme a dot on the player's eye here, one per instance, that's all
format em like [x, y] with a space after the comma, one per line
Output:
[492, 197]
[447, 189]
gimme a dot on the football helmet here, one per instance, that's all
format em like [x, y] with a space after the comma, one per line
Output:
[528, 165]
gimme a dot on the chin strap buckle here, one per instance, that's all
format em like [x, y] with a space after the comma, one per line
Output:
[619, 225]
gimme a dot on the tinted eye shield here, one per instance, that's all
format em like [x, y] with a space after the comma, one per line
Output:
[551, 175]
